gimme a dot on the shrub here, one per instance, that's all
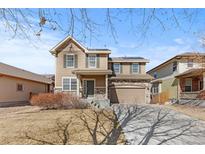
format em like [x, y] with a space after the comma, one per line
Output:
[201, 95]
[58, 101]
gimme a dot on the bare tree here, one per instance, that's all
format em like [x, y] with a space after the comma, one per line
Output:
[81, 23]
[143, 124]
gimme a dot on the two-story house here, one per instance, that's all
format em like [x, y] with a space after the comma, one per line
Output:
[181, 77]
[91, 73]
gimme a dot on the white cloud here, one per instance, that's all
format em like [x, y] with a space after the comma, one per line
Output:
[179, 41]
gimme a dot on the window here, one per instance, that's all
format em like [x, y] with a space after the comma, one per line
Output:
[188, 85]
[73, 84]
[174, 66]
[190, 63]
[135, 68]
[19, 87]
[69, 84]
[70, 60]
[155, 75]
[116, 68]
[201, 85]
[155, 88]
[92, 61]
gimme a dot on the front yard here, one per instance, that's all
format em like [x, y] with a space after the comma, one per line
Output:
[30, 125]
[137, 124]
[193, 111]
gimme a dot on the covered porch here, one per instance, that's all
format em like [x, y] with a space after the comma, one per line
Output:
[92, 83]
[191, 83]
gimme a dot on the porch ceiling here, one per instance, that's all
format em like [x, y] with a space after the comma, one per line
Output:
[92, 72]
[191, 72]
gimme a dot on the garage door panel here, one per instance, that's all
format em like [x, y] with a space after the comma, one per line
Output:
[127, 95]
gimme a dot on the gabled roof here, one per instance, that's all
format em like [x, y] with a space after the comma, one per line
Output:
[128, 59]
[54, 49]
[12, 71]
[189, 54]
[86, 50]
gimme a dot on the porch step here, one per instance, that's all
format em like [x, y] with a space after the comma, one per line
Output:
[99, 103]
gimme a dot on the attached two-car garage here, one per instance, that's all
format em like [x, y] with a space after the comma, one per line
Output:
[126, 94]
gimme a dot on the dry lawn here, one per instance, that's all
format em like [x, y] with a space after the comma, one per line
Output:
[16, 122]
[193, 111]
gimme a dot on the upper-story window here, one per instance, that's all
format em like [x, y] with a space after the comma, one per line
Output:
[116, 67]
[190, 63]
[155, 75]
[174, 66]
[135, 68]
[70, 60]
[92, 61]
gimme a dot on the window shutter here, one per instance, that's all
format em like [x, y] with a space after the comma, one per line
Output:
[139, 69]
[76, 61]
[121, 68]
[86, 61]
[131, 68]
[98, 60]
[64, 61]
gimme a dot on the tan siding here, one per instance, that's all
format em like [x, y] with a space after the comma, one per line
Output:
[9, 93]
[61, 71]
[142, 68]
[126, 68]
[103, 61]
[167, 70]
[99, 79]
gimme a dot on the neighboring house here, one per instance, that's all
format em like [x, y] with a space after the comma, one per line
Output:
[52, 78]
[181, 77]
[16, 85]
[90, 73]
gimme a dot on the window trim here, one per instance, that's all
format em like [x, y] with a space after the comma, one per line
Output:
[17, 87]
[119, 68]
[94, 55]
[137, 69]
[186, 85]
[73, 60]
[188, 62]
[154, 87]
[155, 75]
[173, 66]
[64, 77]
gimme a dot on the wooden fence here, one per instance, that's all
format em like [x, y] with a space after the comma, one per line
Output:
[160, 98]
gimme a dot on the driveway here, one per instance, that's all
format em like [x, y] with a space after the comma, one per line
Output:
[148, 124]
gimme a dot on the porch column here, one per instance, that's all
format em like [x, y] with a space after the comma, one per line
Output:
[78, 85]
[106, 86]
[203, 80]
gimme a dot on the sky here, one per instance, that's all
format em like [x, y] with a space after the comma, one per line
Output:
[158, 45]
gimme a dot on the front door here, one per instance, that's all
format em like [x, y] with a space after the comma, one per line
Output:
[89, 87]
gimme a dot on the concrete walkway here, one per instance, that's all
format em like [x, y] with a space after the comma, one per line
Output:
[148, 124]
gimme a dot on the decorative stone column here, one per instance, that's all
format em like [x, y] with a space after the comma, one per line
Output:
[78, 86]
[203, 80]
[106, 86]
